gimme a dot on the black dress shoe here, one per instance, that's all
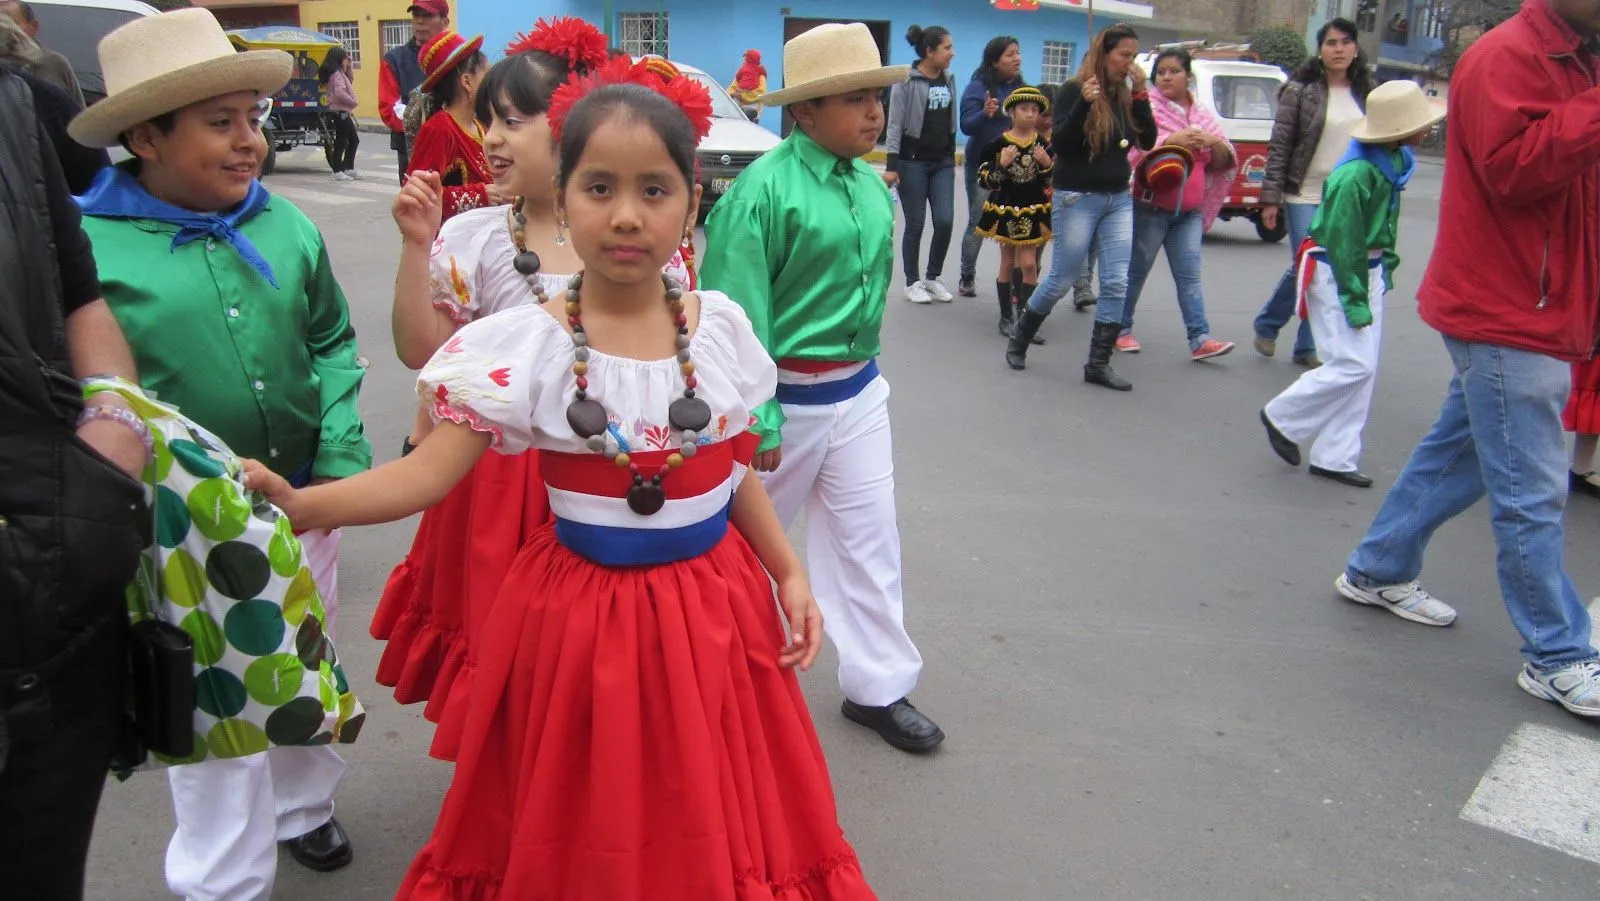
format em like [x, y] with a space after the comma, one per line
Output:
[324, 849]
[1355, 478]
[1578, 483]
[900, 724]
[1281, 445]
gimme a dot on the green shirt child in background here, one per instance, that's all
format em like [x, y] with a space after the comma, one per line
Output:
[804, 242]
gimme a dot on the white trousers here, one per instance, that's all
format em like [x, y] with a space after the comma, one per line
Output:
[838, 464]
[233, 813]
[1330, 403]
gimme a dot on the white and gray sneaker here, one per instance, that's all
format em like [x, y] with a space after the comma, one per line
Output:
[916, 293]
[1575, 686]
[1407, 601]
[937, 290]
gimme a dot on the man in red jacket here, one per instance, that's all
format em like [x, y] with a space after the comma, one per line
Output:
[1514, 287]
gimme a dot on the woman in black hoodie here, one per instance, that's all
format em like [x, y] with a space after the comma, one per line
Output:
[1098, 116]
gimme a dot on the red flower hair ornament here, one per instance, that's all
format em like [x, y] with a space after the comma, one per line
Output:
[688, 95]
[564, 37]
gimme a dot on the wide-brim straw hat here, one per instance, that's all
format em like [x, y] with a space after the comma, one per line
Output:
[832, 59]
[441, 55]
[1026, 94]
[163, 63]
[1395, 110]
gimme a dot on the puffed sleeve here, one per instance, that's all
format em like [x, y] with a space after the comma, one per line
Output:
[749, 367]
[453, 266]
[490, 374]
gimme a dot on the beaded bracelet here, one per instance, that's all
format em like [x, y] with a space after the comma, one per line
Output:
[124, 416]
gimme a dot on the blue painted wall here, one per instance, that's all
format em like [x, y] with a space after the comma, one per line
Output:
[713, 34]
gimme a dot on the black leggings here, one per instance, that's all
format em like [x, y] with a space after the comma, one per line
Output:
[345, 141]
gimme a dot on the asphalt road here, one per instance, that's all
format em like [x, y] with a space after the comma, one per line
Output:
[1125, 603]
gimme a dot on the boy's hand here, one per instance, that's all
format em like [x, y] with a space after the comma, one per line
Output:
[767, 461]
[1358, 315]
[419, 208]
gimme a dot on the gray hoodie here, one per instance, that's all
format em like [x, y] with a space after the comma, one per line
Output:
[908, 105]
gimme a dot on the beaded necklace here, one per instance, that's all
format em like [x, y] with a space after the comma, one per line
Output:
[688, 415]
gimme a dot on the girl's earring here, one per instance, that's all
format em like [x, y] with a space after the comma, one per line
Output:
[688, 235]
[561, 233]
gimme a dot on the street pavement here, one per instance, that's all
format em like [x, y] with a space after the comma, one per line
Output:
[1126, 606]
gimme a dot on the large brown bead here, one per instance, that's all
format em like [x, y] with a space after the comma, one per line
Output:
[689, 413]
[587, 418]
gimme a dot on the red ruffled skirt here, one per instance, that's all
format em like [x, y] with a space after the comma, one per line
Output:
[436, 600]
[631, 737]
[1583, 405]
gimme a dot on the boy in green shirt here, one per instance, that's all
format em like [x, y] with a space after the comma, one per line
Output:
[229, 303]
[804, 242]
[1345, 267]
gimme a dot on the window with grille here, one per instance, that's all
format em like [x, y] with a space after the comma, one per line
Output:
[1056, 62]
[346, 33]
[394, 33]
[643, 34]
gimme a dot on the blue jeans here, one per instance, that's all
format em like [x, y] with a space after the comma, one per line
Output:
[1078, 218]
[1499, 433]
[971, 241]
[1153, 230]
[1281, 308]
[932, 185]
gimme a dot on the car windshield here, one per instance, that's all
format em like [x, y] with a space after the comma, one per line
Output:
[1245, 96]
[722, 106]
[75, 33]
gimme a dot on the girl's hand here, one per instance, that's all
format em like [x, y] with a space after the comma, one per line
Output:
[805, 622]
[1040, 156]
[277, 489]
[499, 196]
[1008, 155]
[419, 208]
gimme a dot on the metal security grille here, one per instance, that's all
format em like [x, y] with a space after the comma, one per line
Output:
[394, 32]
[643, 34]
[346, 33]
[1056, 62]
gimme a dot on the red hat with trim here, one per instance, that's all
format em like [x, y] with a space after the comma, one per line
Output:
[443, 54]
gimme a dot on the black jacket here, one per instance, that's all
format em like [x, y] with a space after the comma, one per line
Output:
[69, 520]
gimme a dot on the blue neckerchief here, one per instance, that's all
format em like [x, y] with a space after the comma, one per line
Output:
[1377, 156]
[116, 194]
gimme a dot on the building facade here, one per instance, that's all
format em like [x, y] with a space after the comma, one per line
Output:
[714, 34]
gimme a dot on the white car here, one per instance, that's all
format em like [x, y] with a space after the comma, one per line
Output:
[734, 142]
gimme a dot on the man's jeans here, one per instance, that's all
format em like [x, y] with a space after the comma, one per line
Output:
[927, 185]
[1281, 307]
[1499, 433]
[971, 241]
[1079, 219]
[1153, 230]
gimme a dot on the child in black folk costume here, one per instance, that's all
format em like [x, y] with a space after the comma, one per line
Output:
[1016, 170]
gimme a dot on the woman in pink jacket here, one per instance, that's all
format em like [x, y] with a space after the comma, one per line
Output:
[336, 75]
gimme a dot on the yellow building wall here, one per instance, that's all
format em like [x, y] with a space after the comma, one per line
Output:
[367, 14]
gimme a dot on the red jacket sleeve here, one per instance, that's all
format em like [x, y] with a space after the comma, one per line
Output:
[388, 95]
[429, 152]
[1526, 144]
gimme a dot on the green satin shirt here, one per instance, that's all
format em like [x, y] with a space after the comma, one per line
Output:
[804, 241]
[1355, 217]
[272, 372]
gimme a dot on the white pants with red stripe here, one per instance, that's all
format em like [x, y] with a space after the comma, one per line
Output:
[233, 813]
[1330, 403]
[838, 465]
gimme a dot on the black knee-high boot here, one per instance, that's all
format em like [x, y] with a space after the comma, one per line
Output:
[1101, 345]
[1003, 289]
[1027, 326]
[1024, 293]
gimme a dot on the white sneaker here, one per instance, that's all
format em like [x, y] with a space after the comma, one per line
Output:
[1407, 601]
[354, 175]
[937, 290]
[1575, 686]
[341, 176]
[916, 293]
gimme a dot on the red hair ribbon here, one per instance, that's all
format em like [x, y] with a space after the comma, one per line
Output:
[564, 37]
[687, 94]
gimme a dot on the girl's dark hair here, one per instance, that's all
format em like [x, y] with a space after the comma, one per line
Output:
[987, 71]
[1312, 70]
[926, 40]
[448, 90]
[521, 83]
[1182, 56]
[630, 103]
[335, 59]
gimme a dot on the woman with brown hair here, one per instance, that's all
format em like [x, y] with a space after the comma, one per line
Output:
[1098, 116]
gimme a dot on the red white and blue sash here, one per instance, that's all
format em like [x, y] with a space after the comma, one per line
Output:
[588, 495]
[814, 383]
[1307, 258]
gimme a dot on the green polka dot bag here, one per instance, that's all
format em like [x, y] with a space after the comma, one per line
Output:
[225, 566]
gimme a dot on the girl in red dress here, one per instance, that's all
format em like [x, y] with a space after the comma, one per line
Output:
[437, 598]
[450, 142]
[1582, 418]
[636, 731]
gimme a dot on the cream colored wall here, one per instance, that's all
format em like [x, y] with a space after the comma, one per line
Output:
[369, 13]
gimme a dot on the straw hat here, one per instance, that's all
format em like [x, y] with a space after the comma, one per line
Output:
[1164, 168]
[1395, 110]
[162, 63]
[832, 59]
[442, 54]
[1026, 94]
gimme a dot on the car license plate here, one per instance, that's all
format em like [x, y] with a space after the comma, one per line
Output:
[721, 185]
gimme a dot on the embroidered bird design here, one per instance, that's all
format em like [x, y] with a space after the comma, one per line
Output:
[458, 284]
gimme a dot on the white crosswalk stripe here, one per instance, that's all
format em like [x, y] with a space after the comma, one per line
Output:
[301, 195]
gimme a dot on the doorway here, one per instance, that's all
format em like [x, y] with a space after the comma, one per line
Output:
[793, 27]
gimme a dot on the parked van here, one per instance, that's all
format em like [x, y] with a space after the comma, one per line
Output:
[1243, 95]
[73, 28]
